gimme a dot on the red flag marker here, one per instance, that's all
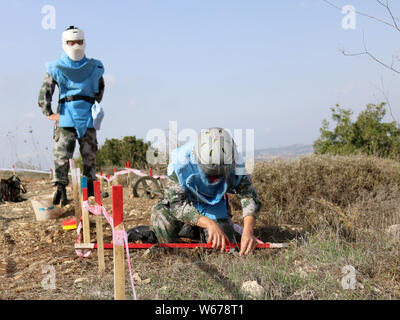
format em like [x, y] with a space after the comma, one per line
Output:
[118, 243]
[97, 192]
[85, 194]
[117, 205]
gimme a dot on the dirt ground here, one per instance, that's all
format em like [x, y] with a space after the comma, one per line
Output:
[32, 250]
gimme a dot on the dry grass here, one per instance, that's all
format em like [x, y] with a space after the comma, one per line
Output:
[345, 205]
[332, 211]
[348, 194]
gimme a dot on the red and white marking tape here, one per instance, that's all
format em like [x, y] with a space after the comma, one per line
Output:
[120, 237]
[24, 170]
[126, 171]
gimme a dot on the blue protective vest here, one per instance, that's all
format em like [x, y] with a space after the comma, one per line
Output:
[76, 78]
[207, 198]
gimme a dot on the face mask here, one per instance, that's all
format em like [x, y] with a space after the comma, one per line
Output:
[75, 52]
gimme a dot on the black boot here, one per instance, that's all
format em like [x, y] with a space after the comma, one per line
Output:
[90, 189]
[60, 195]
[191, 232]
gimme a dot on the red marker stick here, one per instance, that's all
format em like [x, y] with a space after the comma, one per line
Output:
[85, 194]
[97, 192]
[118, 242]
[117, 205]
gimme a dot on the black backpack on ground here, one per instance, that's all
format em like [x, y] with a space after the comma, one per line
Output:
[147, 235]
[142, 233]
[11, 188]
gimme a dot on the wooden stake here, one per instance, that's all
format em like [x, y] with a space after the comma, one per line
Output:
[99, 228]
[73, 179]
[108, 183]
[130, 182]
[101, 182]
[77, 198]
[85, 218]
[118, 250]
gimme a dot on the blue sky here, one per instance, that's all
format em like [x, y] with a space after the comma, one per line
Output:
[271, 66]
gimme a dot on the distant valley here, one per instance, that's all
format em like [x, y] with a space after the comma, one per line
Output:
[292, 151]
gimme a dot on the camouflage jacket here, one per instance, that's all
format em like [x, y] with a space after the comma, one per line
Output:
[47, 90]
[183, 210]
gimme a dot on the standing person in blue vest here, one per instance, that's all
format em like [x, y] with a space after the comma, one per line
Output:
[200, 175]
[80, 83]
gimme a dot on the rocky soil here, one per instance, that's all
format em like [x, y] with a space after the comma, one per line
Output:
[32, 252]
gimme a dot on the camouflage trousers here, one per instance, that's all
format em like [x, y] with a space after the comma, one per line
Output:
[63, 150]
[167, 227]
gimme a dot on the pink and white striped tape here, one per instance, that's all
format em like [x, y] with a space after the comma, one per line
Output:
[120, 237]
[126, 171]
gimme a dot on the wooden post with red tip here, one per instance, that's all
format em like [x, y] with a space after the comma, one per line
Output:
[118, 242]
[108, 183]
[101, 181]
[99, 228]
[130, 180]
[85, 218]
[76, 172]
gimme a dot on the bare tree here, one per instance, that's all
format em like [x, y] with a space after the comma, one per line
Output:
[392, 22]
[384, 92]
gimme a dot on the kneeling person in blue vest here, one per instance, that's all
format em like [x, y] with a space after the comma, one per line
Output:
[201, 174]
[80, 83]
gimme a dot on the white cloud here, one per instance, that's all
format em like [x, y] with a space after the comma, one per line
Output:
[130, 80]
[132, 103]
[29, 115]
[346, 90]
[109, 80]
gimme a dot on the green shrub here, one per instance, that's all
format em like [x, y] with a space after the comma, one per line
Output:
[369, 134]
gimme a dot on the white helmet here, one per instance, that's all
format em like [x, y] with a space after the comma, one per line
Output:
[75, 52]
[216, 152]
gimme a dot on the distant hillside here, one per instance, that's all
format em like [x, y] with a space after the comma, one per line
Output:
[292, 151]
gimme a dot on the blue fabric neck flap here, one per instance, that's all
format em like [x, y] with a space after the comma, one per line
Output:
[77, 71]
[209, 193]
